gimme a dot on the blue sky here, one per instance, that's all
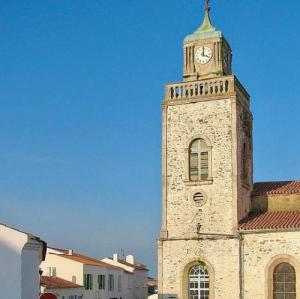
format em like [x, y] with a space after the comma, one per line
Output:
[81, 84]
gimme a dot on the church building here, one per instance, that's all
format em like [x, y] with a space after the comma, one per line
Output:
[222, 236]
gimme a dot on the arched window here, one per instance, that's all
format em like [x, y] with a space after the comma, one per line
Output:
[284, 282]
[198, 282]
[199, 160]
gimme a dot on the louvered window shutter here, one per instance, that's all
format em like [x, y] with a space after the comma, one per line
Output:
[199, 160]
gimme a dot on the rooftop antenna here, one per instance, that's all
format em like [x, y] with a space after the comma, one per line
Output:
[123, 253]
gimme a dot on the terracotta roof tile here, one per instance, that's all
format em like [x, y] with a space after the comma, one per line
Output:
[58, 283]
[137, 266]
[276, 188]
[272, 220]
[86, 260]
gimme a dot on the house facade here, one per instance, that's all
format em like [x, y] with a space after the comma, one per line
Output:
[222, 236]
[20, 257]
[137, 278]
[100, 279]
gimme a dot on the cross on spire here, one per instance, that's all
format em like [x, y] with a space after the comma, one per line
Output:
[206, 6]
[206, 25]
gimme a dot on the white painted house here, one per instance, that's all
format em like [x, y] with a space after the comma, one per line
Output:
[20, 257]
[100, 279]
[138, 280]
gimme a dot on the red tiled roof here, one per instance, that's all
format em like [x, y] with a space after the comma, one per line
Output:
[272, 220]
[276, 188]
[86, 260]
[58, 283]
[137, 266]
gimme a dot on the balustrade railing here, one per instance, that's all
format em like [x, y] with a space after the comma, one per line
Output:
[215, 86]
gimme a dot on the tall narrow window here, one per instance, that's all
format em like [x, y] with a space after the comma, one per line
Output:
[111, 282]
[199, 160]
[88, 281]
[101, 282]
[284, 282]
[198, 282]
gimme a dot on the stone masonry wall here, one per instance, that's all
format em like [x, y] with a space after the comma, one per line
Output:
[211, 120]
[260, 250]
[221, 255]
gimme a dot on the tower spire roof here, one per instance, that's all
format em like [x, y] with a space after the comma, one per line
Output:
[206, 25]
[206, 30]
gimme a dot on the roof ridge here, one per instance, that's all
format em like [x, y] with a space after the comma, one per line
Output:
[276, 188]
[281, 181]
[88, 260]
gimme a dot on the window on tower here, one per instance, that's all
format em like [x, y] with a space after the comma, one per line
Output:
[199, 155]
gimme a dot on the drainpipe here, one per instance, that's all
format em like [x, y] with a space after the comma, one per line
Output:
[241, 270]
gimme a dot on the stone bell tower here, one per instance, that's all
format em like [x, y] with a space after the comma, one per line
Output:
[206, 169]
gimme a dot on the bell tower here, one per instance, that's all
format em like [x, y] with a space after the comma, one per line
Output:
[206, 167]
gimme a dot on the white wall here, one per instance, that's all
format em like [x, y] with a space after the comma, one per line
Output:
[10, 265]
[139, 279]
[65, 268]
[30, 272]
[140, 283]
[104, 294]
[19, 265]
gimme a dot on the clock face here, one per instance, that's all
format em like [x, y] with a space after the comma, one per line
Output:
[203, 55]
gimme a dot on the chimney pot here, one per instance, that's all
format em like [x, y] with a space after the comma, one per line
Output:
[130, 259]
[115, 257]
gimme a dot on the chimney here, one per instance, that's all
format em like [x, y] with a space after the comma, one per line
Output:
[130, 259]
[115, 257]
[70, 252]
